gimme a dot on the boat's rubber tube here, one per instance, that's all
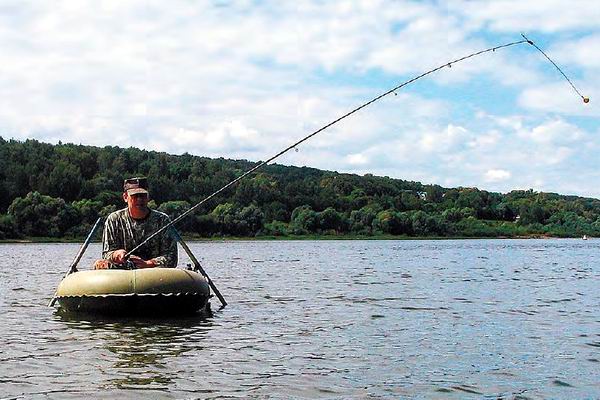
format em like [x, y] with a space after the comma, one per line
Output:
[151, 291]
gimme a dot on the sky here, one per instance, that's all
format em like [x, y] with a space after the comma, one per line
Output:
[245, 79]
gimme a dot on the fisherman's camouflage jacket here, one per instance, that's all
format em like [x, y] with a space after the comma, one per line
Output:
[121, 231]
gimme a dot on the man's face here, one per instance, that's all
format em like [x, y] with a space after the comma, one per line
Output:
[137, 201]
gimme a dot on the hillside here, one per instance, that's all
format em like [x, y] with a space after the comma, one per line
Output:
[59, 191]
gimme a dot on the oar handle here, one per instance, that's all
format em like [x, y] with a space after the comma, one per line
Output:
[198, 266]
[82, 249]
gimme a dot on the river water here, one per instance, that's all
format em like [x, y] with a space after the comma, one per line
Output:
[513, 319]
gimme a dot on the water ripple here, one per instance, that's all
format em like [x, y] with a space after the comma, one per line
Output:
[335, 319]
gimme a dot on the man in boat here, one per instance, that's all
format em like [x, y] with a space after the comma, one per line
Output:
[125, 229]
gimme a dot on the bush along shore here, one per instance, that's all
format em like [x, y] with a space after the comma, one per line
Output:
[56, 192]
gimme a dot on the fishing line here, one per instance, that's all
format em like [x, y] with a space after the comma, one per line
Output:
[585, 99]
[304, 139]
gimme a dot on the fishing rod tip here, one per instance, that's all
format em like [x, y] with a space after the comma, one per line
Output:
[586, 100]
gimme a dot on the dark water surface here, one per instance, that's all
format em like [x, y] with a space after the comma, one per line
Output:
[324, 320]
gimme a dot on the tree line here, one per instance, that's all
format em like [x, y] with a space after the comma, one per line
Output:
[60, 190]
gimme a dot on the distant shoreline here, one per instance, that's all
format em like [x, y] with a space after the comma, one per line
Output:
[299, 237]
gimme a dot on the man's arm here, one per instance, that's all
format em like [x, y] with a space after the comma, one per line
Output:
[110, 239]
[168, 247]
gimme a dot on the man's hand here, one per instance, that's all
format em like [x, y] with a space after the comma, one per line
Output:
[141, 263]
[102, 264]
[118, 256]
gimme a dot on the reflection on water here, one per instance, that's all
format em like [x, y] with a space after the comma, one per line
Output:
[142, 346]
[331, 319]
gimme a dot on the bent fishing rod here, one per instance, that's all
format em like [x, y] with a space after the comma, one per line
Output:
[375, 99]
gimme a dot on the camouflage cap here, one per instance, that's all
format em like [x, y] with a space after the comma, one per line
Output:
[135, 185]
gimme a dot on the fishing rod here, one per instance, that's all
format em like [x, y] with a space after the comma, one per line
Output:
[379, 97]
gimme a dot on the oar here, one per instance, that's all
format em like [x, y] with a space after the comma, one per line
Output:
[198, 266]
[73, 267]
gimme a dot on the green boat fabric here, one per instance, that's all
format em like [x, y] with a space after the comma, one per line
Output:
[157, 281]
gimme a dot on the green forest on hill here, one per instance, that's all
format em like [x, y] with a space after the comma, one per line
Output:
[58, 191]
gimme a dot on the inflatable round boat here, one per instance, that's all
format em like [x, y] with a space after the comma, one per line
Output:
[147, 292]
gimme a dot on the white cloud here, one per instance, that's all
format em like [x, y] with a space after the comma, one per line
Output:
[496, 175]
[578, 51]
[553, 132]
[357, 159]
[486, 141]
[559, 98]
[443, 140]
[245, 80]
[232, 135]
[524, 16]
